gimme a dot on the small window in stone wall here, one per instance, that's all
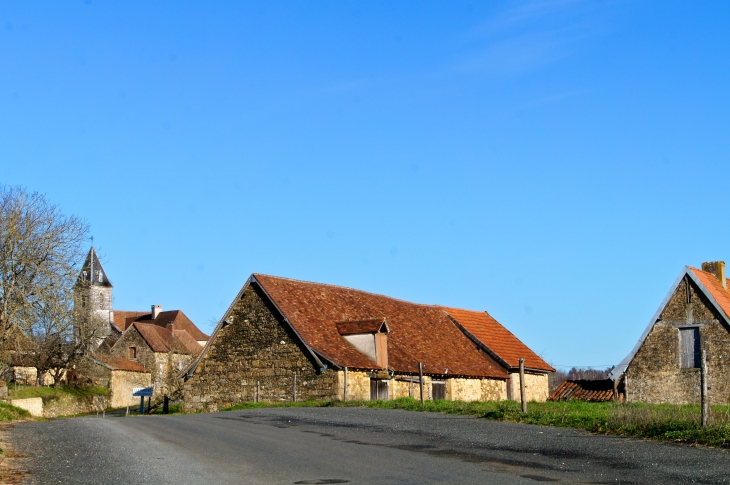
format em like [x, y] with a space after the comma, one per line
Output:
[689, 347]
[132, 352]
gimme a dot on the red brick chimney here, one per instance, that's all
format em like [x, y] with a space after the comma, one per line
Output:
[718, 269]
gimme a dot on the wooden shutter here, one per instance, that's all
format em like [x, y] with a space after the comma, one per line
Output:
[438, 389]
[689, 347]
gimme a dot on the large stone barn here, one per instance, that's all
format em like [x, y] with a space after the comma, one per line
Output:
[665, 364]
[283, 339]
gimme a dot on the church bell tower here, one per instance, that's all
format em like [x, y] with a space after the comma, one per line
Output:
[96, 288]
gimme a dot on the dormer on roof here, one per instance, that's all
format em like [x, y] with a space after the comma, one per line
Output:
[369, 336]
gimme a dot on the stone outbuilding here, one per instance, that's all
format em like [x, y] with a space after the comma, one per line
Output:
[283, 339]
[164, 342]
[115, 373]
[694, 318]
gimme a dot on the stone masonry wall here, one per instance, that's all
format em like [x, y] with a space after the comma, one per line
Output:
[655, 374]
[256, 347]
[122, 385]
[536, 386]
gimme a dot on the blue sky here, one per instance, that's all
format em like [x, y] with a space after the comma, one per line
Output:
[555, 163]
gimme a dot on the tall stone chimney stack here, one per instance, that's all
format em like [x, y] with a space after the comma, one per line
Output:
[156, 309]
[718, 269]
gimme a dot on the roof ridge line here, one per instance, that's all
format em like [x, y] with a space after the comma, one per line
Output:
[430, 305]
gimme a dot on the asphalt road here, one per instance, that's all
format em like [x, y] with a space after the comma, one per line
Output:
[346, 445]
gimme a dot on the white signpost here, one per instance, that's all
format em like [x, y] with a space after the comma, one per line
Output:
[142, 392]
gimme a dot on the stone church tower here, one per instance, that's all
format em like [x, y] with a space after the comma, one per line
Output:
[96, 288]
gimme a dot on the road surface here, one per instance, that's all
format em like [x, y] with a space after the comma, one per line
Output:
[346, 445]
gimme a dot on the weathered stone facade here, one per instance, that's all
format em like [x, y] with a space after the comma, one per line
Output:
[157, 362]
[536, 386]
[119, 382]
[257, 347]
[655, 374]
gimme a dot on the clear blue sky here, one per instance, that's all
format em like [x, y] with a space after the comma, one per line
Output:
[555, 163]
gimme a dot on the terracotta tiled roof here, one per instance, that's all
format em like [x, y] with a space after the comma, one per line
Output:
[497, 338]
[354, 327]
[159, 339]
[584, 390]
[190, 344]
[172, 320]
[720, 294]
[115, 362]
[123, 319]
[418, 333]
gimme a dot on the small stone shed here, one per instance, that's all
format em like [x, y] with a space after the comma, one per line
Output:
[664, 366]
[283, 339]
[117, 374]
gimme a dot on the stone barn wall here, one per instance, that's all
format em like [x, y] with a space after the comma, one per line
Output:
[256, 347]
[655, 374]
[536, 386]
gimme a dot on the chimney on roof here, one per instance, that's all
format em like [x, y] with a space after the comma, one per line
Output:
[718, 269]
[156, 309]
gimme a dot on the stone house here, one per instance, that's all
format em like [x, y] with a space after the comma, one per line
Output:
[164, 342]
[117, 374]
[664, 366]
[284, 339]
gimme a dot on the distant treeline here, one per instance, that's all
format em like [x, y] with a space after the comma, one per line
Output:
[557, 378]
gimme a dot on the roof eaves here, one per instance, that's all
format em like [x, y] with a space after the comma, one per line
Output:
[621, 368]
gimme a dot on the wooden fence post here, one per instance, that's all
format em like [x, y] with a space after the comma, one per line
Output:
[703, 388]
[345, 393]
[420, 379]
[522, 385]
[258, 391]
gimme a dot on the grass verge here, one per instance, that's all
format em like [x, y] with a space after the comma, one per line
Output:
[50, 393]
[11, 413]
[656, 421]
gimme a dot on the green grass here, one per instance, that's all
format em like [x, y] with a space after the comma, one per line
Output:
[657, 421]
[51, 393]
[11, 413]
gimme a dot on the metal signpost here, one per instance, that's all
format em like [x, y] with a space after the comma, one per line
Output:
[142, 392]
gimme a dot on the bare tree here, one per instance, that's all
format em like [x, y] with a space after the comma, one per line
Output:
[40, 253]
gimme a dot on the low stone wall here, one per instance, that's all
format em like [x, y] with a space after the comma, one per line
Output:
[71, 405]
[34, 405]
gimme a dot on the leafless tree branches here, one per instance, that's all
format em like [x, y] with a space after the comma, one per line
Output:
[40, 253]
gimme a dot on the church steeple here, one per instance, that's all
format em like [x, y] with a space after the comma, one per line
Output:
[92, 272]
[95, 287]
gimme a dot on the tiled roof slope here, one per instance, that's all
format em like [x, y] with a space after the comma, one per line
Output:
[161, 339]
[115, 362]
[418, 333]
[123, 318]
[354, 327]
[584, 390]
[192, 345]
[173, 320]
[720, 294]
[497, 338]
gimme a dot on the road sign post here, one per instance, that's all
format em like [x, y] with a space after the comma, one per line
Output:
[142, 392]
